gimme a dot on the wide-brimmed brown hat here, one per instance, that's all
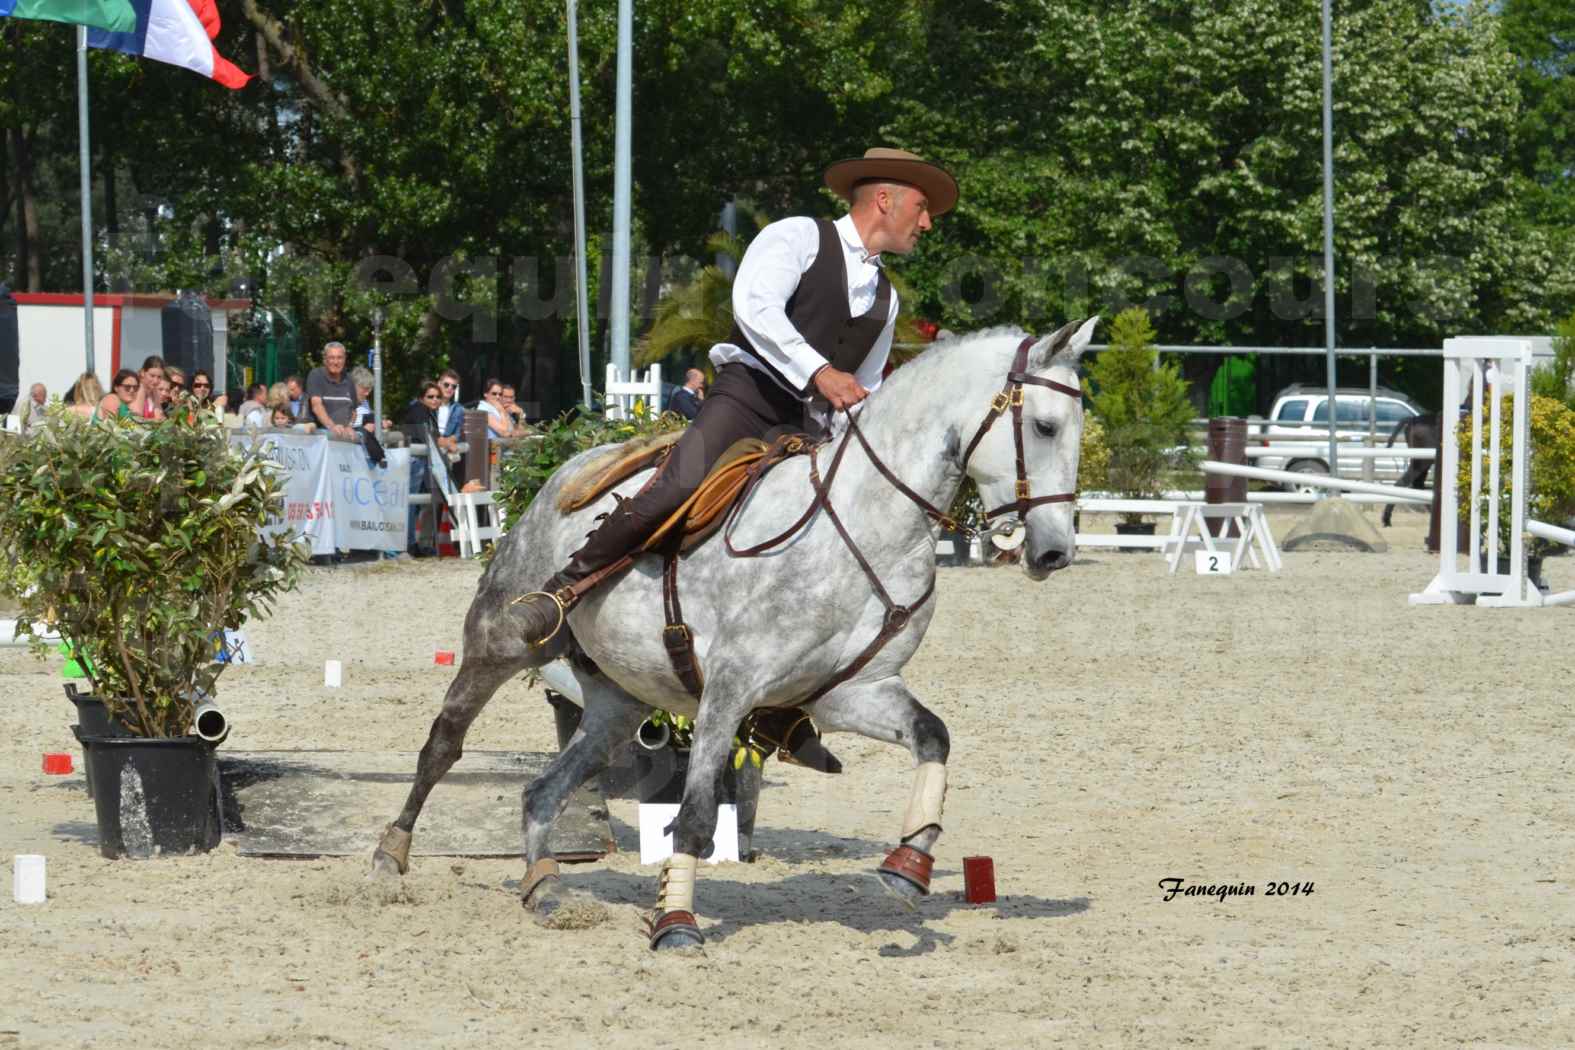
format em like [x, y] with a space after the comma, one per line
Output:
[898, 165]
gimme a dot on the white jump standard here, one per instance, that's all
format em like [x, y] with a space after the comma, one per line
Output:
[1472, 367]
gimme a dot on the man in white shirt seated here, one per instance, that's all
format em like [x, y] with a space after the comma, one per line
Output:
[813, 320]
[254, 410]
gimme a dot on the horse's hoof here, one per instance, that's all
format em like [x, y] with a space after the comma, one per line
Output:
[384, 866]
[675, 930]
[392, 855]
[900, 890]
[906, 874]
[555, 907]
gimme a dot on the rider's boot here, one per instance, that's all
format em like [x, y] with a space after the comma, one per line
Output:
[795, 738]
[544, 610]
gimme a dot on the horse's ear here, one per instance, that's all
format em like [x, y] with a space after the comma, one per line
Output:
[1065, 346]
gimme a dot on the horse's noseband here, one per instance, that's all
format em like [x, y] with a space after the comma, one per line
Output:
[1011, 397]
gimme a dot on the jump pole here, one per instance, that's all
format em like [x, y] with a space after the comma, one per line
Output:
[1287, 477]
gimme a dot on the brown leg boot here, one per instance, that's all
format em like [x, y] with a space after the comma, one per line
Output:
[546, 609]
[794, 737]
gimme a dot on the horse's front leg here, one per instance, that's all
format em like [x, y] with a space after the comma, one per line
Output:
[673, 923]
[887, 710]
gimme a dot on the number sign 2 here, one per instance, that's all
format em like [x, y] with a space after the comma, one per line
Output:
[1213, 563]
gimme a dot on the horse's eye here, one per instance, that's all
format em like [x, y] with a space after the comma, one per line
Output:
[1044, 428]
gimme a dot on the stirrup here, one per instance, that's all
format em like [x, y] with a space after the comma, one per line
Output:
[563, 599]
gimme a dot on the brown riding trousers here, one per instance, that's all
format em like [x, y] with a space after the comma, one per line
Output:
[743, 403]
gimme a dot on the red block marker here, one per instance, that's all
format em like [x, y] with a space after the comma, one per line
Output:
[56, 764]
[978, 880]
[443, 658]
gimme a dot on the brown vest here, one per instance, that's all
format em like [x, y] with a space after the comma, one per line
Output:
[818, 308]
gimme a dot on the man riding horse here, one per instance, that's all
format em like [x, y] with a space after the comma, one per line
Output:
[813, 316]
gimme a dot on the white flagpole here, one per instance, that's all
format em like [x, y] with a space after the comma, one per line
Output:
[87, 195]
[582, 308]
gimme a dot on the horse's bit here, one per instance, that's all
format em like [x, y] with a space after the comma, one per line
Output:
[897, 616]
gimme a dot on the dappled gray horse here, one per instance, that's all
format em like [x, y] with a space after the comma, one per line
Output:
[778, 630]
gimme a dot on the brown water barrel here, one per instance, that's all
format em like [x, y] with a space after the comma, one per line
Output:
[1227, 444]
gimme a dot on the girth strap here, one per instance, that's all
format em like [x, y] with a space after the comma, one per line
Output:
[676, 635]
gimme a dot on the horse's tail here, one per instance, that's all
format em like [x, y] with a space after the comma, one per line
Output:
[1403, 426]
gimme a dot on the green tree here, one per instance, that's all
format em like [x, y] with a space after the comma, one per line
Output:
[1541, 35]
[1108, 152]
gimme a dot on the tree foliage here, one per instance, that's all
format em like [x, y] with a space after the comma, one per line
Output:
[1145, 151]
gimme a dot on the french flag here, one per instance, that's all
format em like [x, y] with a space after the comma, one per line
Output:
[179, 32]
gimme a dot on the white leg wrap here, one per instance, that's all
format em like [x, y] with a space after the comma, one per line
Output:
[929, 793]
[677, 888]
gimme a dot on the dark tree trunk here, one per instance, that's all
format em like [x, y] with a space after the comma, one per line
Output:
[111, 219]
[29, 261]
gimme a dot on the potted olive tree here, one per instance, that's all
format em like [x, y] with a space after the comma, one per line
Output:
[142, 543]
[1143, 407]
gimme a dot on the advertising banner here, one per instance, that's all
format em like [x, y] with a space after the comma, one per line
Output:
[333, 496]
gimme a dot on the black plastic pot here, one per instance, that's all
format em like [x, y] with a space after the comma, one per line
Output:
[93, 719]
[154, 796]
[660, 776]
[1134, 528]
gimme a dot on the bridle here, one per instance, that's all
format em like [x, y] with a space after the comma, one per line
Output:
[1011, 396]
[897, 616]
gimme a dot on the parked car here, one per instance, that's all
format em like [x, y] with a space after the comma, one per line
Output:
[1297, 430]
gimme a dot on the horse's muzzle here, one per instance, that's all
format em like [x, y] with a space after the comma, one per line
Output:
[1046, 562]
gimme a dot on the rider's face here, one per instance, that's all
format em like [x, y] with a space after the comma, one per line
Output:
[905, 217]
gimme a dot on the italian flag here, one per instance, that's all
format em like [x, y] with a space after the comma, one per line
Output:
[115, 16]
[179, 32]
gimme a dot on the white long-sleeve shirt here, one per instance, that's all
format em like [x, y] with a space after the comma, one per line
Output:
[769, 275]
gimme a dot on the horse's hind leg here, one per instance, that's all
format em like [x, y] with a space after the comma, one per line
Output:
[887, 710]
[611, 717]
[493, 654]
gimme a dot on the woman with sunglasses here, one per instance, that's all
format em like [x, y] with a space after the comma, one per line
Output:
[421, 419]
[491, 403]
[124, 392]
[202, 391]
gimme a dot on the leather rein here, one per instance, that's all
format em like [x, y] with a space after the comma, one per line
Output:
[897, 616]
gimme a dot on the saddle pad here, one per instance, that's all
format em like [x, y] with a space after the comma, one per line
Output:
[602, 474]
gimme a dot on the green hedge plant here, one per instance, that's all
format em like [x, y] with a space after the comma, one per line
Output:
[526, 465]
[141, 542]
[1551, 470]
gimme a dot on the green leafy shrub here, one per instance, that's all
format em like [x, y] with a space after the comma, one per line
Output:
[526, 465]
[1143, 408]
[1556, 378]
[1551, 470]
[141, 541]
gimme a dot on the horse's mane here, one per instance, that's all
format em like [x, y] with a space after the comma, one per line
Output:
[989, 348]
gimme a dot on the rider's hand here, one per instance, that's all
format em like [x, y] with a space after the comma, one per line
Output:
[841, 389]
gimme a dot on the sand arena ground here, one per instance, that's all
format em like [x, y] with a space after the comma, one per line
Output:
[1111, 728]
